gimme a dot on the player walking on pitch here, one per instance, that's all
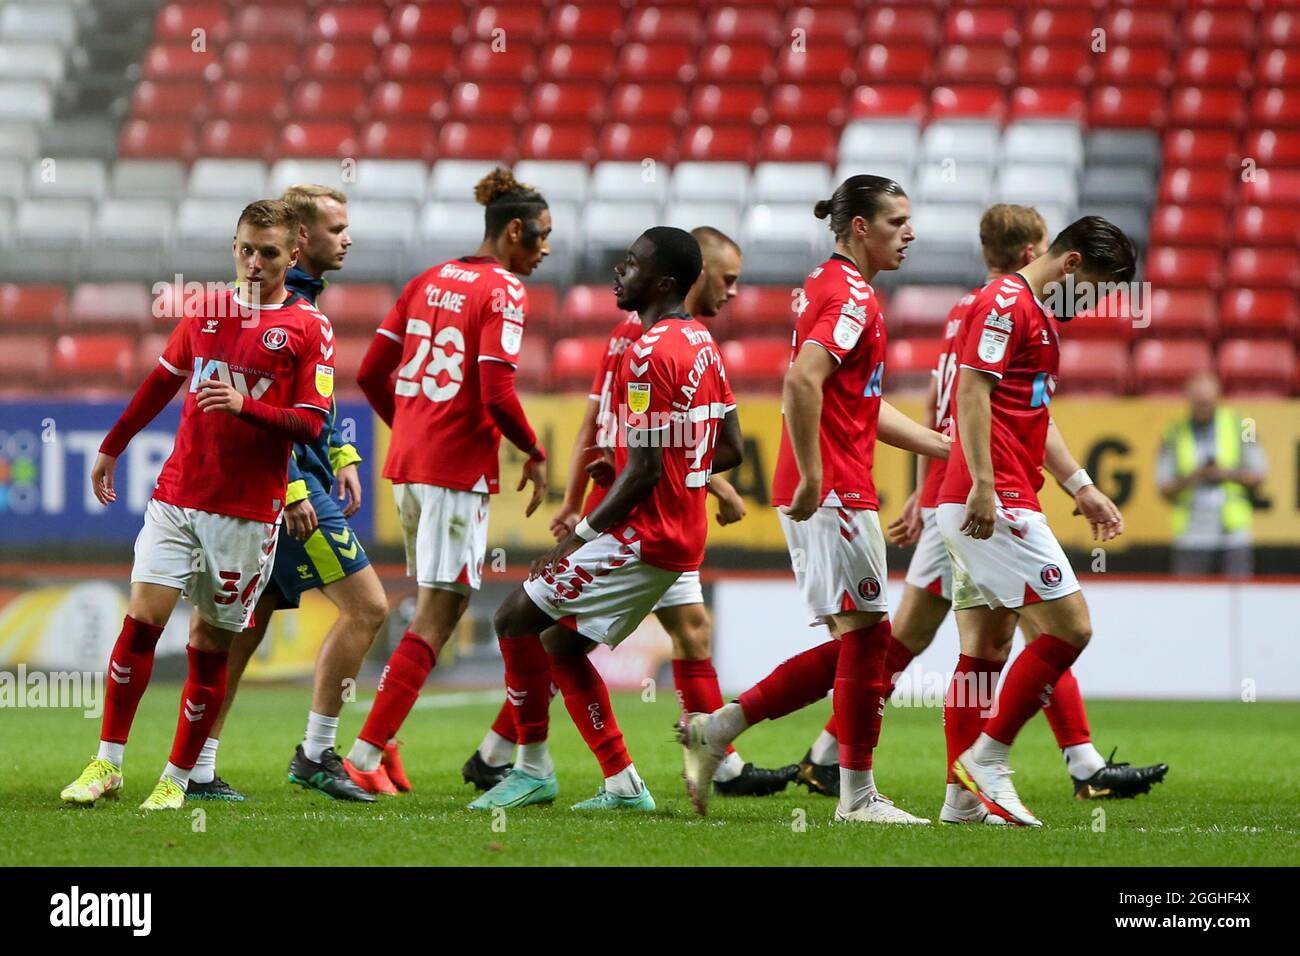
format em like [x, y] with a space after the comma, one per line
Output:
[261, 376]
[827, 502]
[453, 338]
[1002, 549]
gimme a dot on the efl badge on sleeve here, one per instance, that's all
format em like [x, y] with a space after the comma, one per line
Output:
[638, 397]
[993, 345]
[324, 380]
[512, 337]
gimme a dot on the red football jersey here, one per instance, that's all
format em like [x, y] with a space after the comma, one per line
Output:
[839, 311]
[1012, 335]
[671, 388]
[624, 334]
[281, 354]
[945, 375]
[448, 319]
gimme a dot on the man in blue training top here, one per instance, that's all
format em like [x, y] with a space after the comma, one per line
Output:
[317, 549]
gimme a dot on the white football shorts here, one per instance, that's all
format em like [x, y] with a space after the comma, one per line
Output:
[838, 557]
[445, 532]
[931, 568]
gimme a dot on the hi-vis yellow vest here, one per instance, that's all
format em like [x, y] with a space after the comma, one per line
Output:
[1236, 511]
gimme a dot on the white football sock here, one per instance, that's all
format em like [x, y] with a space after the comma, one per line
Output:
[179, 776]
[535, 760]
[625, 783]
[959, 798]
[320, 734]
[365, 756]
[725, 725]
[989, 751]
[856, 789]
[205, 770]
[730, 768]
[825, 750]
[113, 753]
[496, 750]
[1083, 760]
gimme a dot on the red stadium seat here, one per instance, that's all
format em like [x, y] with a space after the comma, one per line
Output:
[1063, 102]
[574, 360]
[737, 63]
[1212, 107]
[480, 62]
[733, 103]
[237, 139]
[278, 23]
[596, 23]
[412, 22]
[399, 139]
[1161, 367]
[558, 141]
[476, 102]
[968, 102]
[668, 24]
[543, 308]
[1260, 313]
[921, 311]
[1264, 268]
[349, 350]
[579, 61]
[796, 102]
[1258, 226]
[1096, 368]
[1128, 66]
[1137, 27]
[910, 363]
[1186, 267]
[417, 61]
[344, 101]
[156, 139]
[823, 27]
[147, 350]
[1280, 28]
[169, 99]
[822, 65]
[1183, 313]
[410, 100]
[1056, 64]
[1226, 28]
[870, 102]
[1113, 321]
[1273, 187]
[94, 359]
[533, 372]
[1064, 27]
[736, 24]
[177, 61]
[525, 22]
[344, 22]
[105, 306]
[1173, 225]
[718, 143]
[1128, 106]
[25, 359]
[256, 60]
[960, 63]
[571, 102]
[42, 306]
[322, 138]
[757, 364]
[1197, 186]
[477, 141]
[1257, 368]
[178, 21]
[342, 61]
[1269, 147]
[237, 99]
[879, 63]
[804, 143]
[590, 310]
[1209, 66]
[637, 141]
[1279, 68]
[357, 307]
[1201, 147]
[982, 26]
[662, 102]
[902, 25]
[665, 62]
[1275, 107]
[759, 311]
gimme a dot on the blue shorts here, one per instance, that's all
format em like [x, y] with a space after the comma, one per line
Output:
[329, 554]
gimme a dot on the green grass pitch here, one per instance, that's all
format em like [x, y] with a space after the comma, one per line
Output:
[1229, 799]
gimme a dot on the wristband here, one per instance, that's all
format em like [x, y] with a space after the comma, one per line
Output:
[1076, 481]
[585, 531]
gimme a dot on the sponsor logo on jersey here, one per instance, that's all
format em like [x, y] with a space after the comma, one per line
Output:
[998, 320]
[993, 345]
[858, 312]
[324, 380]
[512, 337]
[638, 397]
[210, 325]
[869, 588]
[205, 369]
[453, 271]
[275, 339]
[1050, 575]
[847, 330]
[513, 313]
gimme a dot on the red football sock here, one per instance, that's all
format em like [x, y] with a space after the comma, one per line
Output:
[205, 689]
[399, 687]
[129, 668]
[697, 688]
[1066, 713]
[528, 686]
[587, 698]
[504, 724]
[897, 657]
[1029, 683]
[967, 704]
[860, 688]
[802, 680]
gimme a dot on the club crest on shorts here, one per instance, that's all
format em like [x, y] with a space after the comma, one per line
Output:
[869, 588]
[1050, 575]
[275, 339]
[638, 397]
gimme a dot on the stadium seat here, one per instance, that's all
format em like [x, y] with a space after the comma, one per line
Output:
[382, 232]
[1279, 27]
[988, 103]
[1257, 226]
[480, 62]
[318, 138]
[791, 182]
[148, 179]
[1056, 144]
[897, 25]
[403, 179]
[357, 62]
[975, 143]
[638, 141]
[1214, 107]
[742, 23]
[1257, 368]
[350, 22]
[1272, 187]
[349, 350]
[736, 63]
[760, 311]
[591, 310]
[1185, 267]
[525, 21]
[795, 102]
[1226, 28]
[1264, 268]
[169, 99]
[804, 143]
[574, 360]
[445, 229]
[1035, 184]
[1113, 320]
[1064, 27]
[820, 26]
[258, 60]
[960, 63]
[1270, 147]
[486, 102]
[740, 103]
[626, 181]
[604, 232]
[672, 24]
[1097, 367]
[822, 65]
[453, 180]
[477, 141]
[882, 102]
[1135, 66]
[407, 100]
[327, 172]
[357, 307]
[983, 25]
[1046, 103]
[532, 375]
[880, 63]
[237, 139]
[1275, 107]
[1064, 65]
[659, 62]
[237, 99]
[702, 141]
[593, 62]
[910, 363]
[876, 141]
[543, 308]
[227, 178]
[942, 183]
[1135, 106]
[1173, 225]
[1206, 66]
[1161, 367]
[584, 102]
[919, 311]
[575, 141]
[26, 100]
[156, 139]
[1202, 186]
[595, 23]
[326, 100]
[710, 182]
[404, 139]
[32, 306]
[25, 359]
[1201, 147]
[779, 240]
[416, 22]
[757, 364]
[1183, 313]
[1150, 25]
[1123, 147]
[94, 359]
[425, 61]
[1260, 313]
[178, 21]
[110, 306]
[58, 178]
[722, 216]
[281, 23]
[177, 61]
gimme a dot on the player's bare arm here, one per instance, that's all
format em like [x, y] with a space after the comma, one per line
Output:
[349, 481]
[101, 478]
[801, 403]
[575, 487]
[1090, 502]
[975, 422]
[300, 519]
[731, 506]
[895, 428]
[905, 530]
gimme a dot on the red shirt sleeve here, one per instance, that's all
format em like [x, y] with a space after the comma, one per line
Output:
[394, 325]
[839, 323]
[496, 385]
[649, 385]
[177, 356]
[501, 334]
[988, 342]
[313, 383]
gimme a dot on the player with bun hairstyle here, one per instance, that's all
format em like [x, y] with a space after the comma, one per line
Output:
[452, 341]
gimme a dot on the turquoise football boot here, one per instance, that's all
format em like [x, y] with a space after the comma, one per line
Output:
[604, 800]
[518, 789]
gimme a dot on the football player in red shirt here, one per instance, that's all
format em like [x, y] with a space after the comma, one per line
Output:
[827, 501]
[259, 364]
[681, 610]
[453, 339]
[1006, 561]
[1011, 237]
[676, 422]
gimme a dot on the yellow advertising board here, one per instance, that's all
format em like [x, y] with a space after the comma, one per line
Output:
[1117, 440]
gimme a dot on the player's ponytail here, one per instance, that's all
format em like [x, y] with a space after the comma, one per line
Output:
[506, 199]
[857, 196]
